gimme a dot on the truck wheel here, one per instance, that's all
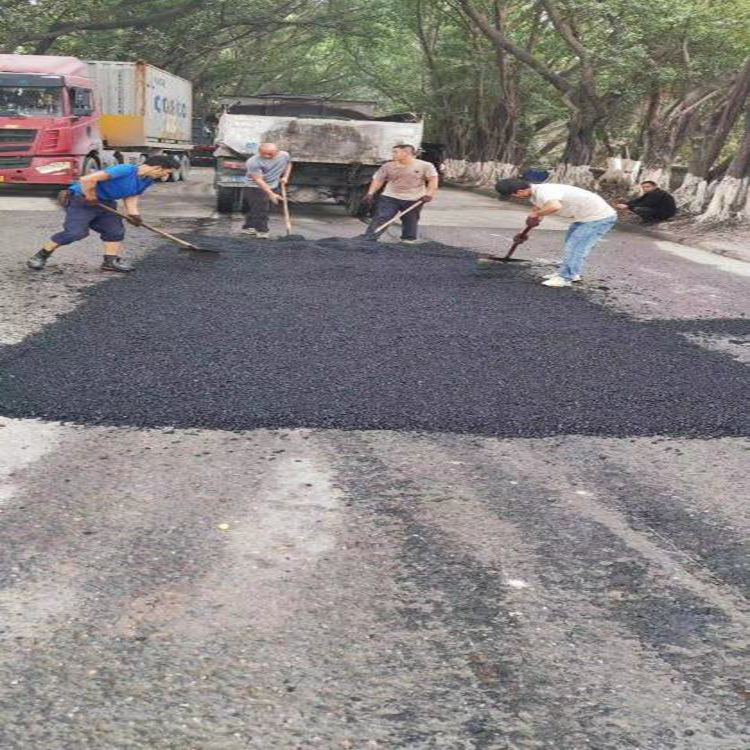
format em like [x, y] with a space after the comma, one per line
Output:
[226, 198]
[184, 168]
[176, 174]
[90, 164]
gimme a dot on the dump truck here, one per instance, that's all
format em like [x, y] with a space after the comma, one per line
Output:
[61, 117]
[336, 145]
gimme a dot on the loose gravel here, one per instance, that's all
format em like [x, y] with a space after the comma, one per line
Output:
[349, 334]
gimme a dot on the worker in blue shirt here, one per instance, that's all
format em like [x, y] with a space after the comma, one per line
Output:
[83, 209]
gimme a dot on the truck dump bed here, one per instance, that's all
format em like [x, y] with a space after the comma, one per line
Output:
[336, 145]
[315, 131]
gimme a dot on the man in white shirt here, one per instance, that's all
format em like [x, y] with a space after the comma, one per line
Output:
[592, 218]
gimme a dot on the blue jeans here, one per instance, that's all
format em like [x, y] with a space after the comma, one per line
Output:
[580, 240]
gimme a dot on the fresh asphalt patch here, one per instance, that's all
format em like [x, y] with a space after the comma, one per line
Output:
[354, 335]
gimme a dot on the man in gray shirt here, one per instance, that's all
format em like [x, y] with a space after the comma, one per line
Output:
[268, 169]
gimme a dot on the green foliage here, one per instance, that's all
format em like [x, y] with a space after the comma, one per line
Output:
[420, 55]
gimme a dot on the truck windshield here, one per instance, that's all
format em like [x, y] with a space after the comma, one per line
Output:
[30, 101]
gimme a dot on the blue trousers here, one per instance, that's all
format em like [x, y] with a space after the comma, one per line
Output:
[386, 209]
[580, 240]
[80, 218]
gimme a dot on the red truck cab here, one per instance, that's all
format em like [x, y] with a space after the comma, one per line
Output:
[49, 129]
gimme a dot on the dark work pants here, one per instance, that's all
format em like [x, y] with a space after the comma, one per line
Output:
[386, 209]
[649, 215]
[258, 207]
[80, 218]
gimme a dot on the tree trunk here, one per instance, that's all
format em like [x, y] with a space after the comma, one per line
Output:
[695, 192]
[731, 197]
[587, 109]
[657, 156]
[575, 166]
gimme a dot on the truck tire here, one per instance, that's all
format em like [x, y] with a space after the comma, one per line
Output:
[90, 164]
[226, 199]
[176, 174]
[184, 168]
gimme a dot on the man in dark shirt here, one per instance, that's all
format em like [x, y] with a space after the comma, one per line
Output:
[653, 206]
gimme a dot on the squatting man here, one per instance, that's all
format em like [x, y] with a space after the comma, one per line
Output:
[592, 218]
[85, 204]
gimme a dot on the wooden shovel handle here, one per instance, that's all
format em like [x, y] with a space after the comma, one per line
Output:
[285, 202]
[160, 232]
[398, 216]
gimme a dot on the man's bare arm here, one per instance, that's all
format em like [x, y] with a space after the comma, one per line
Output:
[432, 185]
[546, 209]
[375, 186]
[265, 187]
[131, 204]
[88, 184]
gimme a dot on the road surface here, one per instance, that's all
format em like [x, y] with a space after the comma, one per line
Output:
[319, 497]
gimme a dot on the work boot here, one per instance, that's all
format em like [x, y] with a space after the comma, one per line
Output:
[39, 260]
[115, 263]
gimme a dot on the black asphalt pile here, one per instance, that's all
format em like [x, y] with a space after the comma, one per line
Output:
[348, 334]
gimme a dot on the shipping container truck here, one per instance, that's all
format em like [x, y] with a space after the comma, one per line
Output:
[61, 117]
[336, 146]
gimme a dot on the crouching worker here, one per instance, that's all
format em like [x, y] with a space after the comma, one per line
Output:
[592, 218]
[83, 209]
[653, 205]
[408, 181]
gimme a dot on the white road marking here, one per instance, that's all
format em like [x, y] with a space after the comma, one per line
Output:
[706, 258]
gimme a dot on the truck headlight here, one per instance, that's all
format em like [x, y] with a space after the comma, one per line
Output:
[54, 166]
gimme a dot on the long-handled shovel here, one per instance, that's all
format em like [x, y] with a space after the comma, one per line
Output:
[398, 216]
[519, 239]
[182, 243]
[287, 217]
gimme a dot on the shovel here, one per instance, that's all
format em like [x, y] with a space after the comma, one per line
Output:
[287, 217]
[398, 216]
[160, 232]
[519, 239]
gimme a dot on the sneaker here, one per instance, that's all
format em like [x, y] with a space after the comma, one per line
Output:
[262, 235]
[557, 281]
[409, 242]
[116, 263]
[249, 231]
[39, 260]
[575, 279]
